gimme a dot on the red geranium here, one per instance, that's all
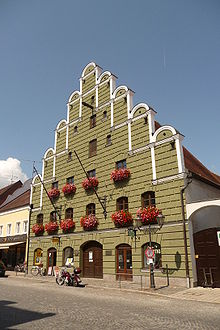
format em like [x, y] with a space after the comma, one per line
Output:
[122, 218]
[54, 193]
[89, 222]
[38, 229]
[51, 227]
[67, 225]
[148, 215]
[89, 183]
[69, 188]
[120, 174]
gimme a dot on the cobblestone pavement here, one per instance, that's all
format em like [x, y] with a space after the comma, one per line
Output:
[27, 303]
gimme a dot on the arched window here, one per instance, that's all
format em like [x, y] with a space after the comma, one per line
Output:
[148, 199]
[90, 209]
[38, 255]
[53, 216]
[122, 203]
[75, 130]
[108, 140]
[69, 213]
[68, 258]
[40, 219]
[157, 256]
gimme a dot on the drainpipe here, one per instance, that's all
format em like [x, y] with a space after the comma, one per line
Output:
[184, 232]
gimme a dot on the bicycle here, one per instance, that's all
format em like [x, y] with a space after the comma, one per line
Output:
[36, 270]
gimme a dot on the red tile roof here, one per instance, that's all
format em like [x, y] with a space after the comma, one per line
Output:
[195, 166]
[9, 190]
[20, 201]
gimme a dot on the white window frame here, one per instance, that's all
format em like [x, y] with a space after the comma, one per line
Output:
[9, 224]
[18, 226]
[25, 223]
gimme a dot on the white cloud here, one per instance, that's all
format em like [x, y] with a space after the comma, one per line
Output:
[10, 172]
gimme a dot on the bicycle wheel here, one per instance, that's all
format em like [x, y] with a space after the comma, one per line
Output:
[34, 271]
[60, 280]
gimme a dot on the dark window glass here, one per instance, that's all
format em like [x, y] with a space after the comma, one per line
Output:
[157, 257]
[121, 164]
[70, 155]
[91, 173]
[53, 216]
[148, 199]
[92, 148]
[92, 121]
[90, 209]
[70, 180]
[108, 140]
[75, 130]
[105, 114]
[122, 203]
[69, 213]
[55, 184]
[40, 219]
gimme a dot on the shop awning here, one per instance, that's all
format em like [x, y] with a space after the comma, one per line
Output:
[7, 245]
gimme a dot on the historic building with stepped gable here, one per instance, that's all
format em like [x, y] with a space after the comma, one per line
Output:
[133, 162]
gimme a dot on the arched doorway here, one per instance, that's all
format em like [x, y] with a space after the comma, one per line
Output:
[205, 224]
[92, 260]
[124, 262]
[51, 260]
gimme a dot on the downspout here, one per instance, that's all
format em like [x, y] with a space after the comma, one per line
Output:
[184, 232]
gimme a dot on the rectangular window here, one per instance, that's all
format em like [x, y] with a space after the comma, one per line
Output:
[70, 180]
[92, 148]
[8, 229]
[18, 227]
[25, 226]
[121, 164]
[1, 230]
[55, 184]
[91, 173]
[92, 121]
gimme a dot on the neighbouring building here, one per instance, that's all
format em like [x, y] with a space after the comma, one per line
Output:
[14, 219]
[133, 163]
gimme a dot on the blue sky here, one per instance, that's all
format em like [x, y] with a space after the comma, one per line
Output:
[166, 51]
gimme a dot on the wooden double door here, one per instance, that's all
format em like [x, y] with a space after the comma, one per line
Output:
[207, 253]
[124, 262]
[93, 260]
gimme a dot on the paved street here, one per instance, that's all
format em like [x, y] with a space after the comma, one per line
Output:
[35, 304]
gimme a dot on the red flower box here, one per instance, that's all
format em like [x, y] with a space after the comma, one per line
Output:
[54, 193]
[89, 222]
[69, 189]
[148, 215]
[38, 229]
[67, 225]
[122, 218]
[89, 183]
[120, 174]
[51, 227]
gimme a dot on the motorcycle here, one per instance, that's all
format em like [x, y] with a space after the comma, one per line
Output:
[64, 277]
[22, 267]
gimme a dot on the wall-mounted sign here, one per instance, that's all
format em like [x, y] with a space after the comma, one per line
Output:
[218, 236]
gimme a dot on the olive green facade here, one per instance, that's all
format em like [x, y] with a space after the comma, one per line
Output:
[154, 157]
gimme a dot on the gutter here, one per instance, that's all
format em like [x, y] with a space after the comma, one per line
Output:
[184, 231]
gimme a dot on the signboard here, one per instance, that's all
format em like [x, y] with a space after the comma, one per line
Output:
[149, 252]
[218, 235]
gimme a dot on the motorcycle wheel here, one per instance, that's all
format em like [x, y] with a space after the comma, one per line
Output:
[60, 280]
[75, 282]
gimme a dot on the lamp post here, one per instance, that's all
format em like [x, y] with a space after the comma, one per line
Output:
[160, 219]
